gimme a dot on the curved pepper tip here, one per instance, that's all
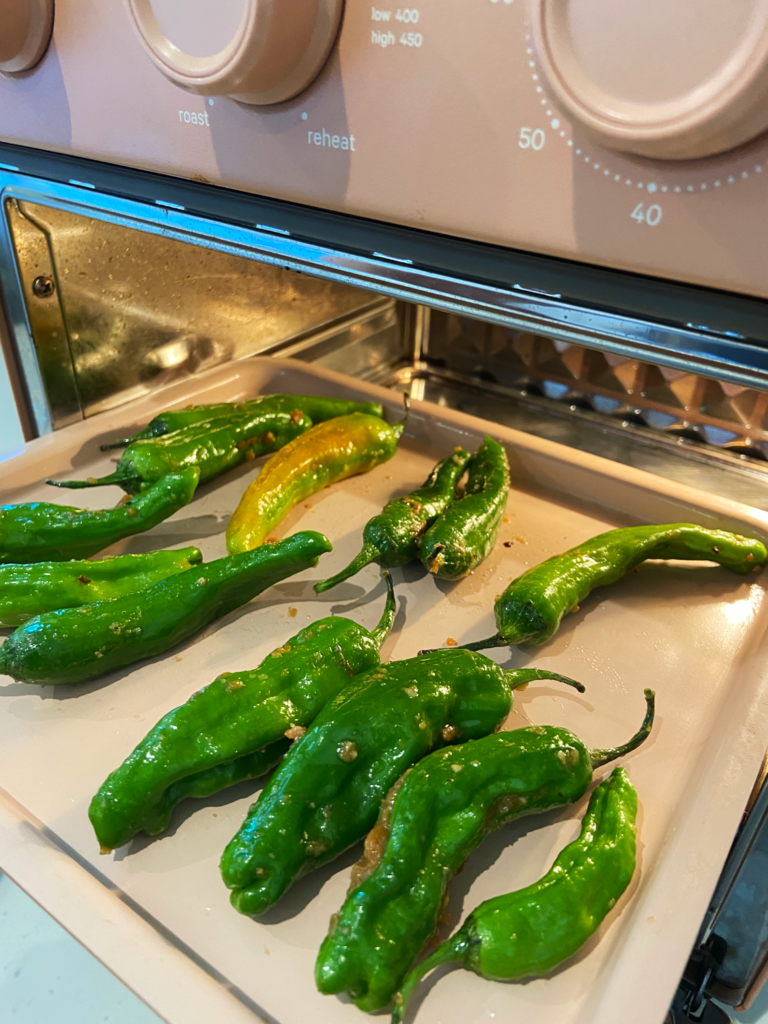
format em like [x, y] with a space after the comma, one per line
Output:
[319, 541]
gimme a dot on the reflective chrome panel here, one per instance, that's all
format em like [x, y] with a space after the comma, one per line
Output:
[693, 349]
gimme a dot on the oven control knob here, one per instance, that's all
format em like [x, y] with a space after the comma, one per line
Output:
[257, 51]
[672, 80]
[25, 31]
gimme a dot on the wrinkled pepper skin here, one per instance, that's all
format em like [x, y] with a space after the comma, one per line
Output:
[317, 408]
[465, 534]
[73, 645]
[531, 608]
[207, 782]
[432, 819]
[42, 532]
[326, 794]
[529, 932]
[240, 715]
[214, 447]
[327, 453]
[392, 537]
[27, 591]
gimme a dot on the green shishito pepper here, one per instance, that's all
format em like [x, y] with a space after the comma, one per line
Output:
[431, 820]
[327, 453]
[530, 609]
[214, 447]
[41, 532]
[317, 408]
[76, 644]
[464, 535]
[392, 537]
[327, 792]
[27, 591]
[529, 932]
[236, 727]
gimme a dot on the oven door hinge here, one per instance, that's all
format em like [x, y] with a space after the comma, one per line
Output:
[692, 1003]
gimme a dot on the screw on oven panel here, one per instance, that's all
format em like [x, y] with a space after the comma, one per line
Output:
[43, 286]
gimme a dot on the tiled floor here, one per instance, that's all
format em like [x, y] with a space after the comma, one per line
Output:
[46, 977]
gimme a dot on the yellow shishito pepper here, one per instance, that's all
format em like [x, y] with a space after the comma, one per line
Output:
[329, 452]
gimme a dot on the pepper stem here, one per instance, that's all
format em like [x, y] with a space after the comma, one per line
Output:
[387, 621]
[147, 434]
[451, 952]
[484, 645]
[601, 757]
[122, 442]
[522, 676]
[102, 481]
[398, 428]
[369, 554]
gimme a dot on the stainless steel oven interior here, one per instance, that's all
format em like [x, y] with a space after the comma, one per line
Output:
[107, 298]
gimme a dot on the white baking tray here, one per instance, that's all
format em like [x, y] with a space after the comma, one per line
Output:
[157, 913]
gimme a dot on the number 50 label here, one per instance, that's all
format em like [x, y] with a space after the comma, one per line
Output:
[650, 215]
[532, 138]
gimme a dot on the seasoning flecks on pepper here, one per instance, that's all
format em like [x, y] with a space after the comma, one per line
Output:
[42, 532]
[329, 452]
[73, 645]
[317, 408]
[30, 590]
[234, 728]
[213, 447]
[531, 608]
[432, 819]
[392, 538]
[463, 535]
[529, 932]
[321, 799]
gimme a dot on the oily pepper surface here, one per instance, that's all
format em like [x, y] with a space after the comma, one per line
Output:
[213, 447]
[327, 453]
[529, 932]
[317, 408]
[73, 645]
[530, 609]
[234, 728]
[392, 537]
[327, 792]
[432, 819]
[42, 532]
[465, 533]
[29, 590]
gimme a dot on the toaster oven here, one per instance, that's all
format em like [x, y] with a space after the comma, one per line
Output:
[549, 217]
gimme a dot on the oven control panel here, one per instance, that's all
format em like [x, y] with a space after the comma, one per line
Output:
[631, 135]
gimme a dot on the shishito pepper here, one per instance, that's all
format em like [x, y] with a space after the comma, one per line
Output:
[392, 537]
[29, 590]
[529, 932]
[235, 727]
[327, 453]
[42, 532]
[327, 792]
[213, 447]
[76, 644]
[464, 535]
[530, 609]
[316, 407]
[431, 820]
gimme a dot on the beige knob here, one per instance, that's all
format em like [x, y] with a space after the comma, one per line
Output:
[25, 31]
[673, 79]
[258, 51]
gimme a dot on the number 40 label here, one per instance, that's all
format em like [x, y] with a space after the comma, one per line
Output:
[650, 215]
